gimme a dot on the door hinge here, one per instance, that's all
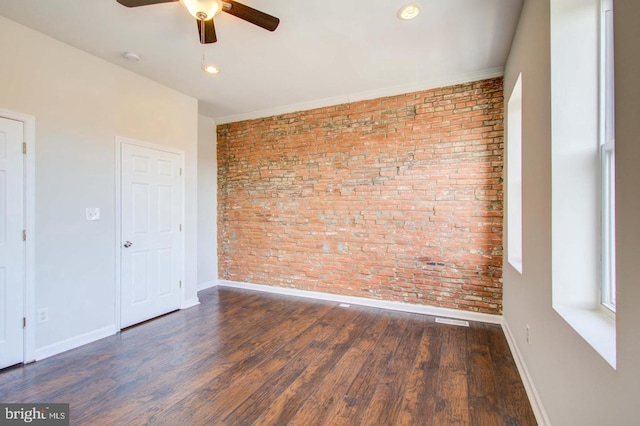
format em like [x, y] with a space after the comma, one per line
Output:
[24, 322]
[24, 147]
[180, 171]
[180, 227]
[180, 283]
[24, 235]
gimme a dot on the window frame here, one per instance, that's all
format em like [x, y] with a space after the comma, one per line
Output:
[576, 30]
[514, 177]
[607, 161]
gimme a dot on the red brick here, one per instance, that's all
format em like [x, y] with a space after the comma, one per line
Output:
[398, 198]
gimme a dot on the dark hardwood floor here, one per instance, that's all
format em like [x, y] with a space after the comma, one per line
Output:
[247, 358]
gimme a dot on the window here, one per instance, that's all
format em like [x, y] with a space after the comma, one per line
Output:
[514, 176]
[583, 170]
[607, 158]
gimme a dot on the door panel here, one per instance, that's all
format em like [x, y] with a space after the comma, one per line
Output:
[165, 201]
[140, 208]
[165, 260]
[12, 250]
[140, 277]
[151, 209]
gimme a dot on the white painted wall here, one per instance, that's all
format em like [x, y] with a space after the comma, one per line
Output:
[207, 204]
[574, 384]
[80, 103]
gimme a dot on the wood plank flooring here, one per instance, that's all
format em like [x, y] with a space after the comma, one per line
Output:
[247, 358]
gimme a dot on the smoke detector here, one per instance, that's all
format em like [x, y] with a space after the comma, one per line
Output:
[131, 56]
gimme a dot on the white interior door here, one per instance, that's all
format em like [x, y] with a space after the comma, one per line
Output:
[151, 233]
[12, 248]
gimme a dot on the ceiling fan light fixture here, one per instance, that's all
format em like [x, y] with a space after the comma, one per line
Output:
[408, 11]
[202, 9]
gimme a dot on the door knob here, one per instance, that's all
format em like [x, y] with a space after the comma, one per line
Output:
[128, 244]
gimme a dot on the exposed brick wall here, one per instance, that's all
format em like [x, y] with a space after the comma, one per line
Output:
[397, 198]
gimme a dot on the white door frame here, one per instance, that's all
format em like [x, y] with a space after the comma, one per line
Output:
[118, 216]
[29, 128]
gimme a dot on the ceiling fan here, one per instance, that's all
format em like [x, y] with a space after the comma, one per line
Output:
[205, 10]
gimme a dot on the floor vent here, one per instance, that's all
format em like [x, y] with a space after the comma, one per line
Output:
[344, 305]
[453, 322]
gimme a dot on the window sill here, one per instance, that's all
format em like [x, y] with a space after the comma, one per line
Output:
[516, 262]
[595, 327]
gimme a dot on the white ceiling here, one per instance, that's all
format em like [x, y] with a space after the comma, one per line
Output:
[323, 52]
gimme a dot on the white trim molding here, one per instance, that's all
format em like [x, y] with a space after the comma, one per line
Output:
[366, 95]
[74, 342]
[190, 303]
[373, 303]
[532, 393]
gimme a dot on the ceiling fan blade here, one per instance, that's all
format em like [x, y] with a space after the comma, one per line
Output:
[136, 3]
[250, 14]
[209, 31]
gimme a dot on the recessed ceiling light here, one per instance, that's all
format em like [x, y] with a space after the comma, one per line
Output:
[211, 69]
[408, 11]
[131, 56]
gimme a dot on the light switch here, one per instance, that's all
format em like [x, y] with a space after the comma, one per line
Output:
[93, 213]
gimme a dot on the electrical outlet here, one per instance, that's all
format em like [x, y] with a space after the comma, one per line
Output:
[43, 315]
[528, 334]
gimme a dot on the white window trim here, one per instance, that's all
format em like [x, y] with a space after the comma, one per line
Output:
[514, 177]
[595, 327]
[577, 203]
[607, 161]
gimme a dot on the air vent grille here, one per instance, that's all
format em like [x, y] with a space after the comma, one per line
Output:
[452, 322]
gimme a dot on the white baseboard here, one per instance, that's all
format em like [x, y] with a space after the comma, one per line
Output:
[74, 342]
[208, 284]
[532, 393]
[374, 303]
[186, 304]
